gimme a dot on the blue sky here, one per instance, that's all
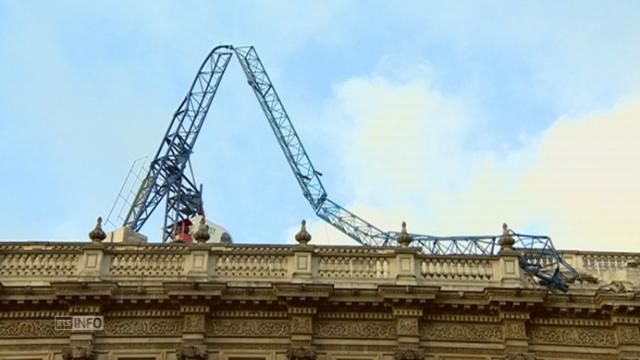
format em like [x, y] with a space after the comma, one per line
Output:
[455, 117]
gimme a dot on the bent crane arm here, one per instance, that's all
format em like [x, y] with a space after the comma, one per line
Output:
[166, 176]
[538, 249]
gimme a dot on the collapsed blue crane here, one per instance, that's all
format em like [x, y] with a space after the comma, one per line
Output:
[167, 177]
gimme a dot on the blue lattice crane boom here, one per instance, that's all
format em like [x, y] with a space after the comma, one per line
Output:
[307, 176]
[540, 258]
[166, 176]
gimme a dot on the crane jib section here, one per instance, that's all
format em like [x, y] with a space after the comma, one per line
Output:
[166, 177]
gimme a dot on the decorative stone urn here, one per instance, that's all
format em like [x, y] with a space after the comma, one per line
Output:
[97, 234]
[404, 239]
[303, 237]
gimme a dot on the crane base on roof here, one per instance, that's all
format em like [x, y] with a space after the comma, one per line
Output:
[125, 235]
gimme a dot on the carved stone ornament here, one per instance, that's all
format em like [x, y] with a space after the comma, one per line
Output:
[202, 235]
[301, 353]
[575, 336]
[301, 324]
[193, 323]
[587, 278]
[408, 354]
[407, 326]
[617, 287]
[354, 329]
[97, 234]
[78, 353]
[190, 353]
[303, 237]
[519, 356]
[143, 327]
[506, 241]
[628, 335]
[404, 238]
[248, 328]
[462, 332]
[514, 329]
[10, 328]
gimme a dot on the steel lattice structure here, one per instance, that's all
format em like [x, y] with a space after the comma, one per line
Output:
[166, 177]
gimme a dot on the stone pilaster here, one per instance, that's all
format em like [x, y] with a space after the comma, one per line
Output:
[627, 331]
[515, 333]
[301, 325]
[193, 331]
[407, 321]
[81, 342]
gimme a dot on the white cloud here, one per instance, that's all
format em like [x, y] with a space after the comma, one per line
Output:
[404, 158]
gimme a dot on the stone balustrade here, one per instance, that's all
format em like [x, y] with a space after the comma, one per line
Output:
[45, 262]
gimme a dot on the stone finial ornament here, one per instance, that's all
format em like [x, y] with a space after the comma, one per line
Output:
[303, 237]
[97, 234]
[506, 241]
[404, 238]
[202, 235]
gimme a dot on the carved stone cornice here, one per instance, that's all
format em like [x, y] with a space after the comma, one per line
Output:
[88, 308]
[356, 315]
[569, 322]
[508, 315]
[408, 294]
[265, 314]
[33, 314]
[302, 291]
[84, 289]
[302, 310]
[625, 319]
[193, 290]
[407, 312]
[144, 313]
[462, 318]
[194, 309]
[514, 298]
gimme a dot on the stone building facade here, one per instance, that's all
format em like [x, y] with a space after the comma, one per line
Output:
[307, 302]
